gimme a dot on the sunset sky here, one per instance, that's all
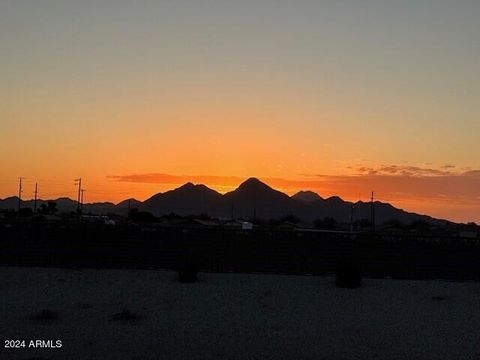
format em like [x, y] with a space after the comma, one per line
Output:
[339, 97]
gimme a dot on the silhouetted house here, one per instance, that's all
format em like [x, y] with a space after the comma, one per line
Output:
[247, 225]
[468, 234]
[232, 224]
[98, 219]
[287, 226]
[238, 224]
[193, 223]
[207, 223]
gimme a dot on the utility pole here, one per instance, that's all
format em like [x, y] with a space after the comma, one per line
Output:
[20, 190]
[81, 199]
[352, 209]
[372, 212]
[78, 182]
[35, 199]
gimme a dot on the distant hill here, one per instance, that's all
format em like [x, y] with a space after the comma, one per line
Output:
[124, 206]
[307, 196]
[9, 203]
[129, 203]
[185, 200]
[251, 198]
[63, 205]
[254, 198]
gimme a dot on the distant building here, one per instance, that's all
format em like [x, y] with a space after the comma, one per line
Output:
[99, 219]
[238, 224]
[468, 234]
[247, 225]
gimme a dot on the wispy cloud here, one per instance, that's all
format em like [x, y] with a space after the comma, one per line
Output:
[162, 178]
[408, 170]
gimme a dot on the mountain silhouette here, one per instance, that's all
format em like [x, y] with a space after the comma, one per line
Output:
[63, 204]
[252, 198]
[307, 196]
[185, 200]
[9, 202]
[127, 204]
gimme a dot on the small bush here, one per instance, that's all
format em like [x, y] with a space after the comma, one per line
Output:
[45, 315]
[125, 315]
[348, 274]
[188, 274]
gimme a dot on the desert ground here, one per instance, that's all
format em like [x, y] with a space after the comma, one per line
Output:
[147, 314]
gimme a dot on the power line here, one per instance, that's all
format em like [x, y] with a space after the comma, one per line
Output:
[81, 199]
[20, 190]
[35, 201]
[372, 212]
[352, 210]
[78, 182]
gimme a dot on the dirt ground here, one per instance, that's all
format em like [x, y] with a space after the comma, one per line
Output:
[130, 314]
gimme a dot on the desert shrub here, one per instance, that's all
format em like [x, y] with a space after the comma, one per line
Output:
[125, 315]
[348, 274]
[45, 315]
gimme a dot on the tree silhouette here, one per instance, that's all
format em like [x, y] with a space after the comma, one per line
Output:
[141, 216]
[49, 209]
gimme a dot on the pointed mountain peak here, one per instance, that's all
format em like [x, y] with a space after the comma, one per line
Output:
[194, 187]
[253, 183]
[131, 202]
[252, 180]
[307, 196]
[188, 185]
[253, 189]
[188, 197]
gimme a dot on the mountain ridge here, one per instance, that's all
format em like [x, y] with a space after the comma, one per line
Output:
[306, 196]
[250, 199]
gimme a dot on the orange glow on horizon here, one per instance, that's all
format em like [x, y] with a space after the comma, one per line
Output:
[412, 193]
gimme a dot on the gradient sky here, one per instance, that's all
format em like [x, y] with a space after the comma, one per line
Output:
[340, 97]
